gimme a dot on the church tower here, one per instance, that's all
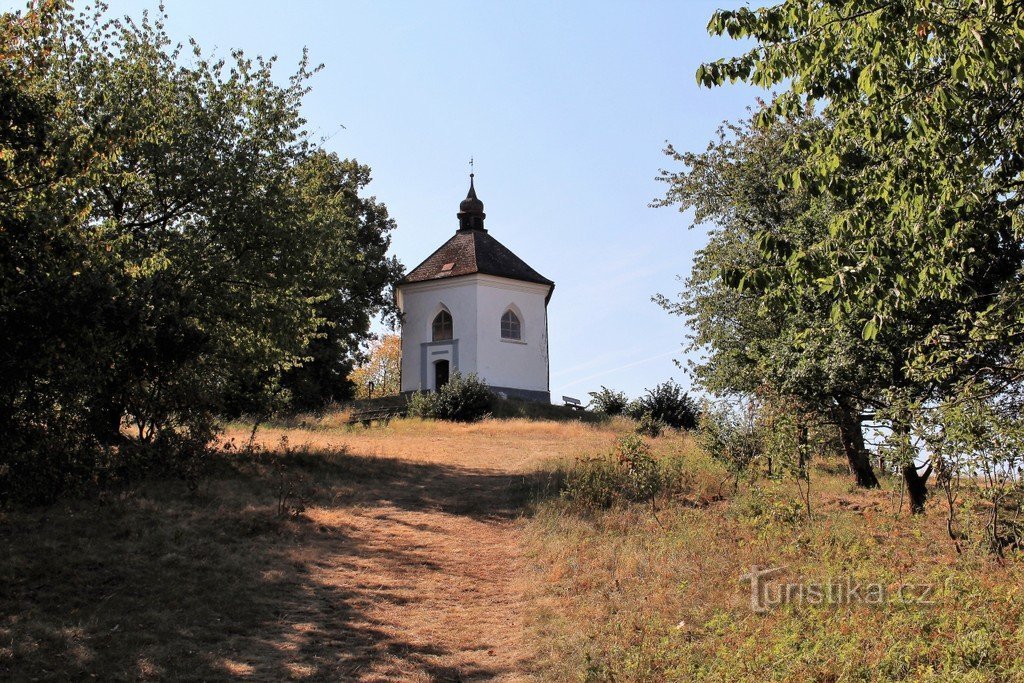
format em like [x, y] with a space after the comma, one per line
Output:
[475, 307]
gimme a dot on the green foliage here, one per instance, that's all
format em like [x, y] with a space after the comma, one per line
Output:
[629, 474]
[760, 328]
[650, 426]
[668, 404]
[643, 472]
[731, 437]
[978, 444]
[904, 123]
[462, 399]
[421, 404]
[172, 247]
[593, 483]
[609, 402]
[922, 102]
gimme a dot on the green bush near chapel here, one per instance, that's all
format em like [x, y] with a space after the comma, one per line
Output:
[668, 404]
[461, 399]
[608, 401]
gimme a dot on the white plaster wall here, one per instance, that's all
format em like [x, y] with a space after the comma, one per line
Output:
[476, 303]
[504, 363]
[420, 303]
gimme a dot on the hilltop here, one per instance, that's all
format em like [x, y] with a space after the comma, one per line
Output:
[436, 551]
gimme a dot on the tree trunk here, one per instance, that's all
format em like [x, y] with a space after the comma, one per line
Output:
[917, 487]
[848, 418]
[801, 444]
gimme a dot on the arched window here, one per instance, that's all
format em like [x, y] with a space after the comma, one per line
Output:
[510, 326]
[441, 330]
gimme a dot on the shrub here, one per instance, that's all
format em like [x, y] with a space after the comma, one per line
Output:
[462, 399]
[643, 474]
[609, 402]
[730, 439]
[667, 403]
[593, 484]
[422, 405]
[648, 425]
[630, 473]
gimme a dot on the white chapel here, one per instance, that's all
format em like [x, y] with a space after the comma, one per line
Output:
[475, 307]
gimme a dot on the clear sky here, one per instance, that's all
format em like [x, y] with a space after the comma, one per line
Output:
[565, 107]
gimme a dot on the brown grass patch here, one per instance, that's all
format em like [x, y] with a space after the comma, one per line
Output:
[405, 564]
[621, 595]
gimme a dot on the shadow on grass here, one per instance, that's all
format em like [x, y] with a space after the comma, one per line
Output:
[166, 584]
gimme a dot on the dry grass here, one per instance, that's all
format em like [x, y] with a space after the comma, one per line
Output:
[404, 565]
[422, 554]
[620, 595]
[512, 445]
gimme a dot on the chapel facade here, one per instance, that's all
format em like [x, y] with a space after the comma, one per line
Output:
[473, 306]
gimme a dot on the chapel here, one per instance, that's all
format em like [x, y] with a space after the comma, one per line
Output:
[473, 306]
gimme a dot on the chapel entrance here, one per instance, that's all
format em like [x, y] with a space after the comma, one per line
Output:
[440, 374]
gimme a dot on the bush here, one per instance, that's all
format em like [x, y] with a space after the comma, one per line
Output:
[730, 439]
[668, 404]
[647, 425]
[593, 484]
[609, 402]
[630, 473]
[422, 405]
[643, 474]
[462, 399]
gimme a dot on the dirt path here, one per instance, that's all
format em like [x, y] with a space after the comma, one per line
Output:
[405, 565]
[433, 557]
[439, 577]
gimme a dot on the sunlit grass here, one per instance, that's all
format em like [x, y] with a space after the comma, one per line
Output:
[630, 594]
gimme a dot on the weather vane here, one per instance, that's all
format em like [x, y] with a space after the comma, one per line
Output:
[471, 167]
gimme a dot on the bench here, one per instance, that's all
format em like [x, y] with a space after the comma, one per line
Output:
[381, 415]
[573, 403]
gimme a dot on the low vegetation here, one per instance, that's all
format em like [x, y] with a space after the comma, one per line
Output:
[627, 591]
[324, 552]
[629, 553]
[461, 399]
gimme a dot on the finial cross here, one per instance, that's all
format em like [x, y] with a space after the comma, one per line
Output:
[471, 166]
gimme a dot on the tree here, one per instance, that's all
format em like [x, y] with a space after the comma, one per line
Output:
[168, 234]
[759, 332]
[383, 367]
[927, 123]
[354, 266]
[923, 101]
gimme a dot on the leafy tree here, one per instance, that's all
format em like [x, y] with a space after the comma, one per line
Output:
[353, 265]
[924, 101]
[921, 156]
[758, 334]
[383, 368]
[168, 235]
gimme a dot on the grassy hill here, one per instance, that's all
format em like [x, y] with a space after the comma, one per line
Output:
[434, 551]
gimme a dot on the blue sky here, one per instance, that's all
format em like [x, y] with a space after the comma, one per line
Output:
[564, 106]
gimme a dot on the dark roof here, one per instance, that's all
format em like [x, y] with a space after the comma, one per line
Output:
[474, 251]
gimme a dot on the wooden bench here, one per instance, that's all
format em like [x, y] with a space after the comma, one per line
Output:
[381, 415]
[573, 403]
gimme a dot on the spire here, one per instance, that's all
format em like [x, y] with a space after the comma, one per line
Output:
[471, 211]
